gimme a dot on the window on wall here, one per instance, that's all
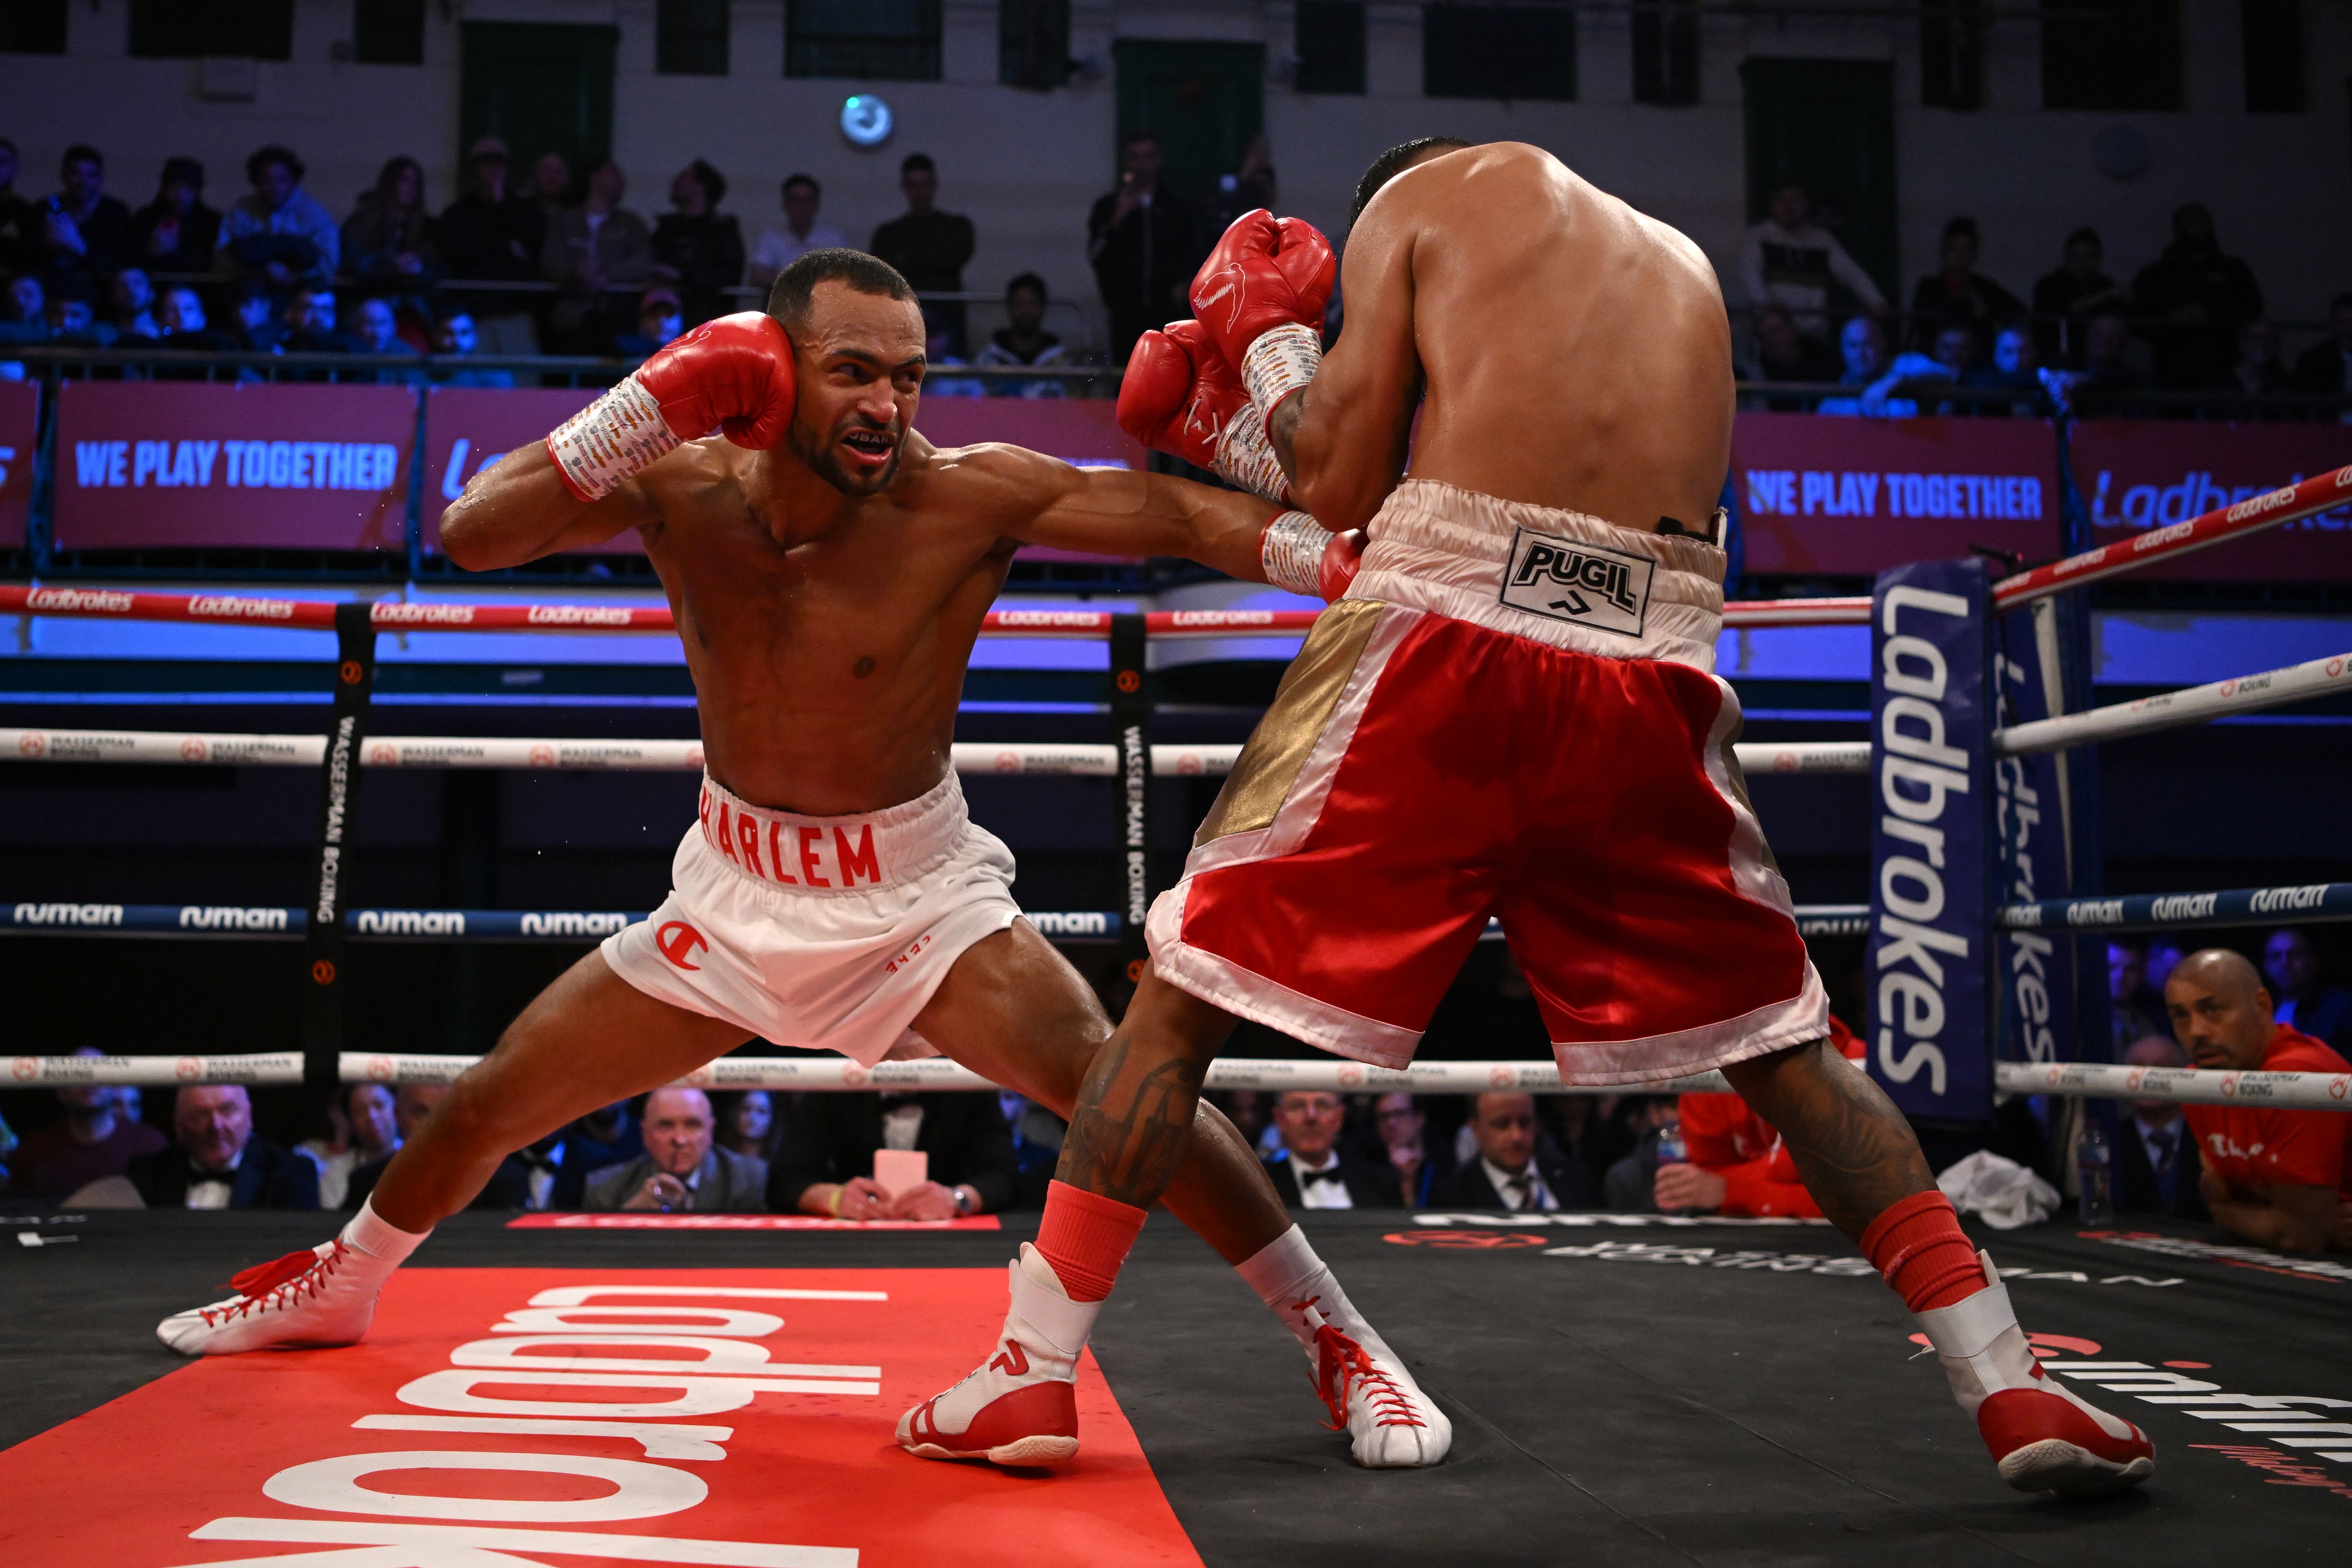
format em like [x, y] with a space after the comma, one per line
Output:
[1032, 43]
[1499, 51]
[690, 37]
[2274, 38]
[888, 40]
[1952, 53]
[1329, 41]
[198, 29]
[388, 32]
[32, 27]
[2111, 54]
[1666, 51]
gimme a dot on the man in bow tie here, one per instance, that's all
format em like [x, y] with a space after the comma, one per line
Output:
[1315, 1174]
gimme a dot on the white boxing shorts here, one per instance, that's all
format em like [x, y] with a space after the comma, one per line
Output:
[829, 933]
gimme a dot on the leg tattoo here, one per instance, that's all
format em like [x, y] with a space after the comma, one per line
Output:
[1125, 1139]
[1855, 1150]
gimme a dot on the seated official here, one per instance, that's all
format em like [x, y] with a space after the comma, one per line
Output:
[1312, 1172]
[94, 1140]
[2276, 1178]
[1736, 1163]
[683, 1170]
[1421, 1161]
[1515, 1168]
[2155, 1165]
[827, 1165]
[215, 1162]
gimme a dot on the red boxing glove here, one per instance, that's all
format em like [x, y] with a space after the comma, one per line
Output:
[1179, 393]
[1302, 555]
[734, 375]
[1264, 273]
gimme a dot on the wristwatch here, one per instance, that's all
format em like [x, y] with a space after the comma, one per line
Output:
[965, 1201]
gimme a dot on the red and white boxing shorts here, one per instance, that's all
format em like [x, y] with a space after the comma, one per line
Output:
[1513, 713]
[826, 931]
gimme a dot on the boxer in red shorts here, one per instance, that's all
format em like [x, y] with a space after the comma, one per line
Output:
[1512, 712]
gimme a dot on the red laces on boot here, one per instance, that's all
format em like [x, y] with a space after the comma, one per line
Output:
[279, 1284]
[1339, 1359]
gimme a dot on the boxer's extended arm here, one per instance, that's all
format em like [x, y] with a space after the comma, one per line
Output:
[1343, 439]
[518, 508]
[1042, 501]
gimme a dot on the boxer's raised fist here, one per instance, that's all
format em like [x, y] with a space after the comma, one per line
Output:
[1266, 272]
[733, 375]
[1179, 393]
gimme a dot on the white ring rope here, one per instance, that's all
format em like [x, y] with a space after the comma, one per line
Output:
[2170, 710]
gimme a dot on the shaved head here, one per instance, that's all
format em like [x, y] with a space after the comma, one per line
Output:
[2221, 970]
[2220, 1013]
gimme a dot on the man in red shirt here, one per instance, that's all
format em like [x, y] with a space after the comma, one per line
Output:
[1739, 1163]
[2276, 1178]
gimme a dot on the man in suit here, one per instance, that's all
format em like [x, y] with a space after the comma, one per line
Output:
[2156, 1154]
[683, 1168]
[827, 1166]
[1314, 1173]
[1514, 1170]
[2323, 1012]
[215, 1162]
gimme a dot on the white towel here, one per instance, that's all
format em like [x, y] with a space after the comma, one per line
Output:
[2003, 1192]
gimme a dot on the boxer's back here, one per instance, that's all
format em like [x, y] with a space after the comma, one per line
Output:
[1576, 353]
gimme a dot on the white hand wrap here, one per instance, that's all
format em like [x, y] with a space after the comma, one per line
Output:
[1291, 551]
[610, 439]
[1283, 360]
[1246, 458]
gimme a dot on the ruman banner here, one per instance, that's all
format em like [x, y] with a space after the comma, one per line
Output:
[19, 426]
[191, 465]
[2138, 476]
[1853, 497]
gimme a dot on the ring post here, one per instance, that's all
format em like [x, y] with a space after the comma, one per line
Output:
[1130, 712]
[323, 993]
[1931, 853]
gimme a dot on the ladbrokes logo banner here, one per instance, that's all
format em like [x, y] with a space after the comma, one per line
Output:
[2135, 478]
[186, 466]
[19, 403]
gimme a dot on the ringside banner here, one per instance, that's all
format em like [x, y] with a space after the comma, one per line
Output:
[1930, 842]
[2034, 971]
[19, 425]
[191, 465]
[1856, 496]
[2137, 477]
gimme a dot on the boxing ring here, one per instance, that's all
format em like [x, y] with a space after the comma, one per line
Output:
[1624, 1388]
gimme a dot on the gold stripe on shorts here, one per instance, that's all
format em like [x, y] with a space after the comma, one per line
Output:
[1278, 747]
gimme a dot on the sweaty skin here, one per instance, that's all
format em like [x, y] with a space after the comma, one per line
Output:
[828, 590]
[1562, 351]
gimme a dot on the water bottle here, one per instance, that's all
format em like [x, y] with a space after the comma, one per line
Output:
[2093, 1168]
[1672, 1150]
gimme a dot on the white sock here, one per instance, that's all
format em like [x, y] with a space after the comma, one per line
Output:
[1287, 1274]
[369, 1235]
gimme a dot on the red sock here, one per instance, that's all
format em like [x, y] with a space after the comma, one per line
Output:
[1919, 1244]
[1086, 1238]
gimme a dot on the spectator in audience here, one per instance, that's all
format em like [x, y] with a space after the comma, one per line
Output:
[1784, 353]
[1024, 341]
[2155, 1157]
[551, 180]
[2274, 1177]
[661, 317]
[929, 247]
[2075, 292]
[370, 1134]
[2107, 376]
[1418, 1160]
[1247, 189]
[2298, 998]
[2258, 370]
[1861, 351]
[375, 330]
[311, 325]
[1631, 1185]
[508, 1188]
[181, 319]
[387, 242]
[2133, 1011]
[28, 316]
[454, 338]
[779, 248]
[599, 1139]
[697, 248]
[1735, 1162]
[1515, 1167]
[1959, 292]
[2327, 365]
[1314, 1173]
[19, 227]
[215, 1162]
[750, 1126]
[175, 232]
[93, 1140]
[1144, 246]
[132, 305]
[82, 229]
[2200, 297]
[259, 327]
[2016, 367]
[592, 250]
[683, 1168]
[1790, 261]
[489, 236]
[827, 1167]
[73, 319]
[2165, 951]
[277, 233]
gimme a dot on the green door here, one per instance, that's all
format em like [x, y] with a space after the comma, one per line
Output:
[1206, 102]
[540, 89]
[1828, 125]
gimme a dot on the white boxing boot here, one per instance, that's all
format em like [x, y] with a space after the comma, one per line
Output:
[325, 1296]
[1020, 1407]
[2043, 1437]
[1390, 1421]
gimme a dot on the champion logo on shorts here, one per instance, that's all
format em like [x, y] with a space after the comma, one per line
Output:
[1567, 579]
[678, 943]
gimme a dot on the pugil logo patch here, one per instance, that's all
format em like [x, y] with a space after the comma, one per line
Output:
[1567, 579]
